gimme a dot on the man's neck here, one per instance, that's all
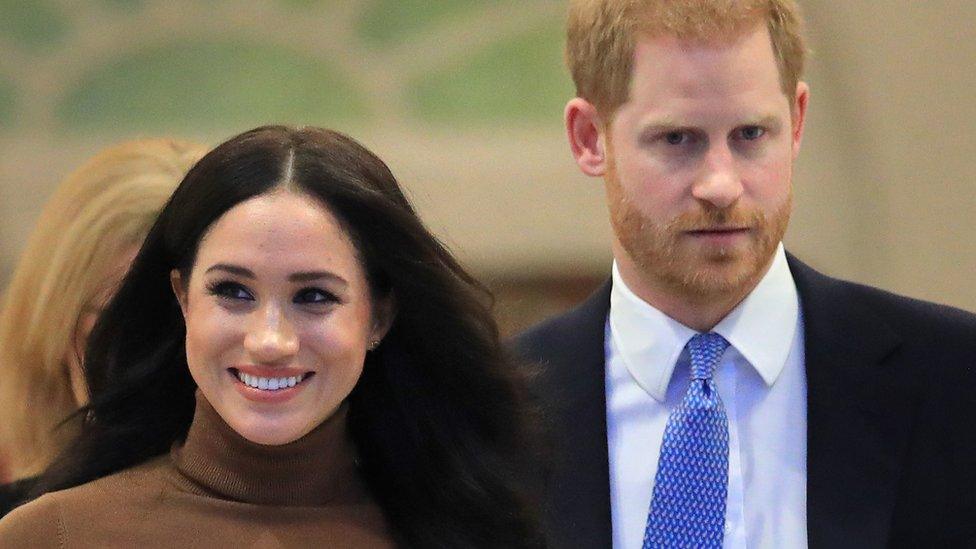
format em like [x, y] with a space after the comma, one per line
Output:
[700, 312]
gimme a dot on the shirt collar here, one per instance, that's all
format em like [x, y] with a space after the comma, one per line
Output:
[761, 328]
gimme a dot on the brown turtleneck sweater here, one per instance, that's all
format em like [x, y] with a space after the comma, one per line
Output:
[216, 490]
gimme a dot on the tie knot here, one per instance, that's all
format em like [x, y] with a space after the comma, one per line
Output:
[705, 351]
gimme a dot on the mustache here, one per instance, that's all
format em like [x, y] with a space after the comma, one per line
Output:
[714, 218]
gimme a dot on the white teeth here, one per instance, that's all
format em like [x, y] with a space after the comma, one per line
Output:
[269, 383]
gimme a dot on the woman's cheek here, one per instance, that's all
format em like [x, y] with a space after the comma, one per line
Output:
[212, 329]
[334, 339]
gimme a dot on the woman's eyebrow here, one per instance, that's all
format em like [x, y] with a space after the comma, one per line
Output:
[301, 276]
[232, 269]
[310, 276]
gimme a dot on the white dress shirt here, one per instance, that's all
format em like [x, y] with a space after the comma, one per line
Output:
[761, 382]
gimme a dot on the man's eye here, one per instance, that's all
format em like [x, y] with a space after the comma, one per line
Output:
[751, 133]
[230, 290]
[676, 138]
[314, 296]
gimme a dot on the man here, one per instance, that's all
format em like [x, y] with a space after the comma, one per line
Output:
[717, 391]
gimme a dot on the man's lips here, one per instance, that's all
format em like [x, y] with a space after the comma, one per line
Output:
[718, 231]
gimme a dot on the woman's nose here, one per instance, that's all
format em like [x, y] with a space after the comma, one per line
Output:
[270, 338]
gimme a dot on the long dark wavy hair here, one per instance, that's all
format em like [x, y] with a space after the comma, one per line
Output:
[438, 414]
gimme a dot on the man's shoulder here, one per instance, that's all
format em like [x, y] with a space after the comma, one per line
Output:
[909, 318]
[916, 314]
[564, 333]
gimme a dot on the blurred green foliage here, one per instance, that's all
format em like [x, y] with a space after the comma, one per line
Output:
[387, 22]
[301, 3]
[125, 5]
[32, 25]
[521, 79]
[8, 102]
[212, 85]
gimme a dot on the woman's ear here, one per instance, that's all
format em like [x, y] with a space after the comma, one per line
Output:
[384, 312]
[179, 289]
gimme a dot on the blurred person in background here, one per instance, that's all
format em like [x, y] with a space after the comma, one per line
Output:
[292, 360]
[83, 243]
[717, 391]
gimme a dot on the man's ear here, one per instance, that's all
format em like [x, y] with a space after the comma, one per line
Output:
[179, 289]
[384, 312]
[585, 130]
[799, 112]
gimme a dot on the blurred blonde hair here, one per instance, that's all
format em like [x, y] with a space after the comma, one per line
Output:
[104, 208]
[601, 36]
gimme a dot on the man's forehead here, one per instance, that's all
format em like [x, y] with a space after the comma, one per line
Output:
[705, 44]
[700, 67]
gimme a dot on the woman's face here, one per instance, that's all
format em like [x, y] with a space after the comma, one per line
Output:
[278, 316]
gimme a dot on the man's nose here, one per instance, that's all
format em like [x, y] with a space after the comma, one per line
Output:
[719, 184]
[270, 336]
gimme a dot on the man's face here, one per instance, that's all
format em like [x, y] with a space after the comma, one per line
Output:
[699, 164]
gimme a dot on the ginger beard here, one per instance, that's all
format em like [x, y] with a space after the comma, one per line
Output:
[668, 258]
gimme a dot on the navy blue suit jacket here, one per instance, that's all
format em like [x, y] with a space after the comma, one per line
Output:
[891, 418]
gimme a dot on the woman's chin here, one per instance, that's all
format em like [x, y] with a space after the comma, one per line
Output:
[270, 431]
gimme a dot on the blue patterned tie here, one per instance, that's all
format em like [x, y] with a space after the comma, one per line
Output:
[688, 503]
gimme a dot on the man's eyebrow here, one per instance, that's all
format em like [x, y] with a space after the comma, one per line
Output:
[769, 121]
[653, 128]
[658, 128]
[662, 124]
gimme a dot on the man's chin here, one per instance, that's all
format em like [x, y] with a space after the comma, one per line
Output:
[717, 273]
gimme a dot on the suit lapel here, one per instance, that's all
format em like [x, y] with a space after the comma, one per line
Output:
[578, 502]
[857, 415]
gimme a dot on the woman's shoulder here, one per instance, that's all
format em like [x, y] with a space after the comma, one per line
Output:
[45, 521]
[35, 524]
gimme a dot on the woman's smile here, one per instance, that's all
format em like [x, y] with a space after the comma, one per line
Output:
[262, 384]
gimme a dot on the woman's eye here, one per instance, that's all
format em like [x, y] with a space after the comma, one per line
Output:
[230, 290]
[751, 133]
[314, 296]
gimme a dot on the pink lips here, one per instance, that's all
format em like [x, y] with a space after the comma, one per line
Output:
[268, 371]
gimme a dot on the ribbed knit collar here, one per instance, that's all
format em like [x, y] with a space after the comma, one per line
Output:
[316, 469]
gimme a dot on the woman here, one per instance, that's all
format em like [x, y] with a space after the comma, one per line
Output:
[292, 360]
[82, 245]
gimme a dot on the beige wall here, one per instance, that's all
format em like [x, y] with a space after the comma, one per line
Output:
[884, 189]
[886, 193]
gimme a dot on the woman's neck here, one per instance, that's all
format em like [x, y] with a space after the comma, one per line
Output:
[314, 470]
